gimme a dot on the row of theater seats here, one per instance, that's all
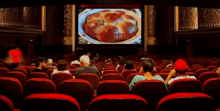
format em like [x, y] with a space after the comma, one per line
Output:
[151, 91]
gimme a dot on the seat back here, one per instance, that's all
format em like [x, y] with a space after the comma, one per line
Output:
[18, 75]
[122, 102]
[2, 65]
[6, 104]
[190, 73]
[72, 71]
[112, 87]
[3, 72]
[112, 77]
[131, 76]
[120, 68]
[92, 78]
[211, 67]
[39, 85]
[184, 85]
[151, 90]
[158, 69]
[200, 71]
[110, 71]
[212, 88]
[207, 75]
[126, 73]
[11, 88]
[186, 102]
[165, 71]
[79, 89]
[38, 75]
[49, 102]
[21, 70]
[197, 67]
[49, 72]
[58, 78]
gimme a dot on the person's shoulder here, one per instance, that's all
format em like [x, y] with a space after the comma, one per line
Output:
[158, 77]
[192, 77]
[139, 77]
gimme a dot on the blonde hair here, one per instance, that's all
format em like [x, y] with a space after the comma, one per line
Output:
[85, 59]
[50, 61]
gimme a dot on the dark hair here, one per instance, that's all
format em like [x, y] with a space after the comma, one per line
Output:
[76, 57]
[181, 72]
[40, 59]
[122, 61]
[139, 57]
[129, 65]
[148, 65]
[62, 65]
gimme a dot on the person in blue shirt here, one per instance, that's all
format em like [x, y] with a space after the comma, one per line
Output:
[148, 67]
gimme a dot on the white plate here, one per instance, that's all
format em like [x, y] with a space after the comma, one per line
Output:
[82, 18]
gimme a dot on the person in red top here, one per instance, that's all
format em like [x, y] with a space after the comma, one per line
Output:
[15, 57]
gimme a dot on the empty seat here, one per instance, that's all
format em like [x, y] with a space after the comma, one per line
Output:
[211, 67]
[212, 88]
[194, 65]
[126, 73]
[30, 68]
[21, 70]
[112, 77]
[49, 102]
[49, 72]
[151, 90]
[131, 76]
[112, 87]
[190, 73]
[200, 71]
[122, 102]
[110, 71]
[184, 85]
[92, 78]
[2, 65]
[79, 89]
[186, 102]
[197, 67]
[39, 85]
[58, 78]
[72, 71]
[165, 71]
[158, 69]
[11, 88]
[38, 75]
[3, 72]
[207, 75]
[163, 75]
[162, 66]
[18, 75]
[6, 104]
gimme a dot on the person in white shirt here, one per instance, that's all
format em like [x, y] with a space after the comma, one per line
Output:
[179, 71]
[122, 63]
[49, 64]
[61, 68]
[76, 61]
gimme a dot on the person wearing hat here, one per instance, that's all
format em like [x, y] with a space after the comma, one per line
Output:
[179, 71]
[40, 64]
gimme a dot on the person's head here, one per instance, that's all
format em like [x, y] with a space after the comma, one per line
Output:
[172, 61]
[49, 61]
[180, 66]
[41, 62]
[129, 65]
[62, 64]
[122, 61]
[84, 60]
[148, 65]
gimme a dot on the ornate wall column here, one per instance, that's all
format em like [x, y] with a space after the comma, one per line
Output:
[208, 18]
[151, 25]
[68, 11]
[188, 18]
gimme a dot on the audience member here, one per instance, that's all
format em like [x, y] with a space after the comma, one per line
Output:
[15, 57]
[40, 64]
[61, 68]
[49, 64]
[171, 63]
[148, 67]
[128, 66]
[122, 62]
[85, 68]
[179, 71]
[76, 61]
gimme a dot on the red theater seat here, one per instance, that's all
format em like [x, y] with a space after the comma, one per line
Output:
[49, 102]
[110, 71]
[58, 78]
[2, 65]
[18, 75]
[122, 102]
[39, 85]
[6, 104]
[126, 73]
[38, 75]
[200, 71]
[3, 72]
[151, 90]
[92, 78]
[112, 87]
[165, 71]
[194, 65]
[197, 67]
[79, 89]
[212, 88]
[112, 77]
[49, 72]
[72, 71]
[11, 88]
[184, 85]
[186, 102]
[158, 69]
[131, 76]
[207, 75]
[190, 73]
[212, 67]
[120, 69]
[21, 70]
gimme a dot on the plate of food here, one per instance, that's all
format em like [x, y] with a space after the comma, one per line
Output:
[110, 26]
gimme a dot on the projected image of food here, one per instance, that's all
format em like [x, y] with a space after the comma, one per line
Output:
[111, 26]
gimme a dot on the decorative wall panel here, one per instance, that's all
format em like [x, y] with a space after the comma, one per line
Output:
[208, 18]
[67, 24]
[32, 17]
[188, 18]
[151, 24]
